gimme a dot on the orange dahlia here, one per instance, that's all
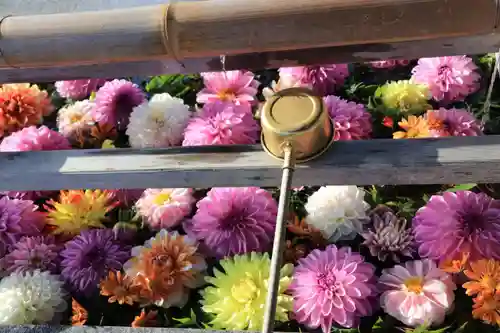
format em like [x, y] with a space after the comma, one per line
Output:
[487, 309]
[80, 315]
[120, 288]
[145, 319]
[22, 105]
[484, 276]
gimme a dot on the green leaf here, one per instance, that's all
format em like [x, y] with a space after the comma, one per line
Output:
[461, 187]
[187, 321]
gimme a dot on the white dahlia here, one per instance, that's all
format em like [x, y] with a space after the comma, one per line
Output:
[339, 212]
[158, 123]
[75, 116]
[31, 298]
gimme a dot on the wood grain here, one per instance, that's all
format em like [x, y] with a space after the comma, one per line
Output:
[423, 161]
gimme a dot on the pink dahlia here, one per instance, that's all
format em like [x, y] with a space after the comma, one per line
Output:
[334, 286]
[323, 79]
[165, 208]
[239, 87]
[34, 138]
[449, 79]
[418, 293]
[453, 122]
[388, 64]
[222, 123]
[351, 120]
[78, 89]
[233, 221]
[18, 218]
[114, 102]
[32, 253]
[458, 222]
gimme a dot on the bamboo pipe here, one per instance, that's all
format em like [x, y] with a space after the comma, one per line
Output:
[187, 30]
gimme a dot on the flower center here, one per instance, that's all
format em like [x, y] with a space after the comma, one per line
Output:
[328, 283]
[75, 118]
[444, 70]
[163, 260]
[226, 95]
[163, 198]
[244, 291]
[414, 284]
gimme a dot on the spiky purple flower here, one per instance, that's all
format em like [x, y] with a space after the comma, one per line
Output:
[87, 258]
[324, 79]
[351, 120]
[32, 253]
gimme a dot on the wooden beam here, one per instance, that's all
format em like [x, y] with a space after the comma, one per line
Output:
[422, 161]
[255, 61]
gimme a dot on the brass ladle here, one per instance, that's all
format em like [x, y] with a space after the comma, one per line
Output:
[295, 128]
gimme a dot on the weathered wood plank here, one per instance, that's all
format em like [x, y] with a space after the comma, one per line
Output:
[423, 161]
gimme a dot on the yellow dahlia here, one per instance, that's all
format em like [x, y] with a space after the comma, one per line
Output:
[77, 210]
[237, 297]
[405, 96]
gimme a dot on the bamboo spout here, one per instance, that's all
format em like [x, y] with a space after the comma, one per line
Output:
[188, 30]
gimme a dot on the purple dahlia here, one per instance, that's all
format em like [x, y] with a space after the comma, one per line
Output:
[351, 120]
[324, 79]
[32, 253]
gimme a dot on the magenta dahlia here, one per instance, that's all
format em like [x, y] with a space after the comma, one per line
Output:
[78, 89]
[115, 101]
[388, 64]
[34, 138]
[449, 79]
[458, 222]
[323, 79]
[334, 286]
[32, 253]
[453, 122]
[222, 123]
[233, 221]
[127, 197]
[238, 87]
[351, 120]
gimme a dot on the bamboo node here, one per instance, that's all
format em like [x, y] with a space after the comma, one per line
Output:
[168, 35]
[2, 54]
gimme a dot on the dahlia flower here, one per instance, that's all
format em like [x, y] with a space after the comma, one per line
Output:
[18, 218]
[449, 79]
[22, 105]
[78, 89]
[324, 80]
[283, 83]
[165, 208]
[388, 64]
[405, 96]
[238, 87]
[87, 258]
[484, 276]
[145, 319]
[75, 117]
[27, 195]
[458, 222]
[237, 296]
[339, 212]
[487, 309]
[120, 288]
[32, 253]
[390, 237]
[31, 298]
[351, 120]
[166, 268]
[77, 210]
[233, 221]
[126, 197]
[453, 122]
[79, 314]
[334, 286]
[222, 124]
[413, 127]
[33, 138]
[418, 293]
[115, 101]
[158, 123]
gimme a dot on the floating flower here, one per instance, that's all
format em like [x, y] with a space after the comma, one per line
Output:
[18, 218]
[388, 64]
[31, 298]
[222, 124]
[324, 79]
[339, 212]
[34, 138]
[93, 136]
[127, 197]
[235, 220]
[390, 237]
[485, 278]
[237, 296]
[166, 267]
[158, 123]
[22, 105]
[456, 264]
[405, 96]
[74, 117]
[418, 293]
[458, 222]
[453, 122]
[165, 208]
[33, 253]
[27, 195]
[351, 120]
[487, 309]
[302, 229]
[238, 87]
[120, 288]
[87, 258]
[78, 89]
[449, 79]
[414, 127]
[145, 319]
[284, 82]
[77, 210]
[79, 314]
[334, 286]
[114, 102]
